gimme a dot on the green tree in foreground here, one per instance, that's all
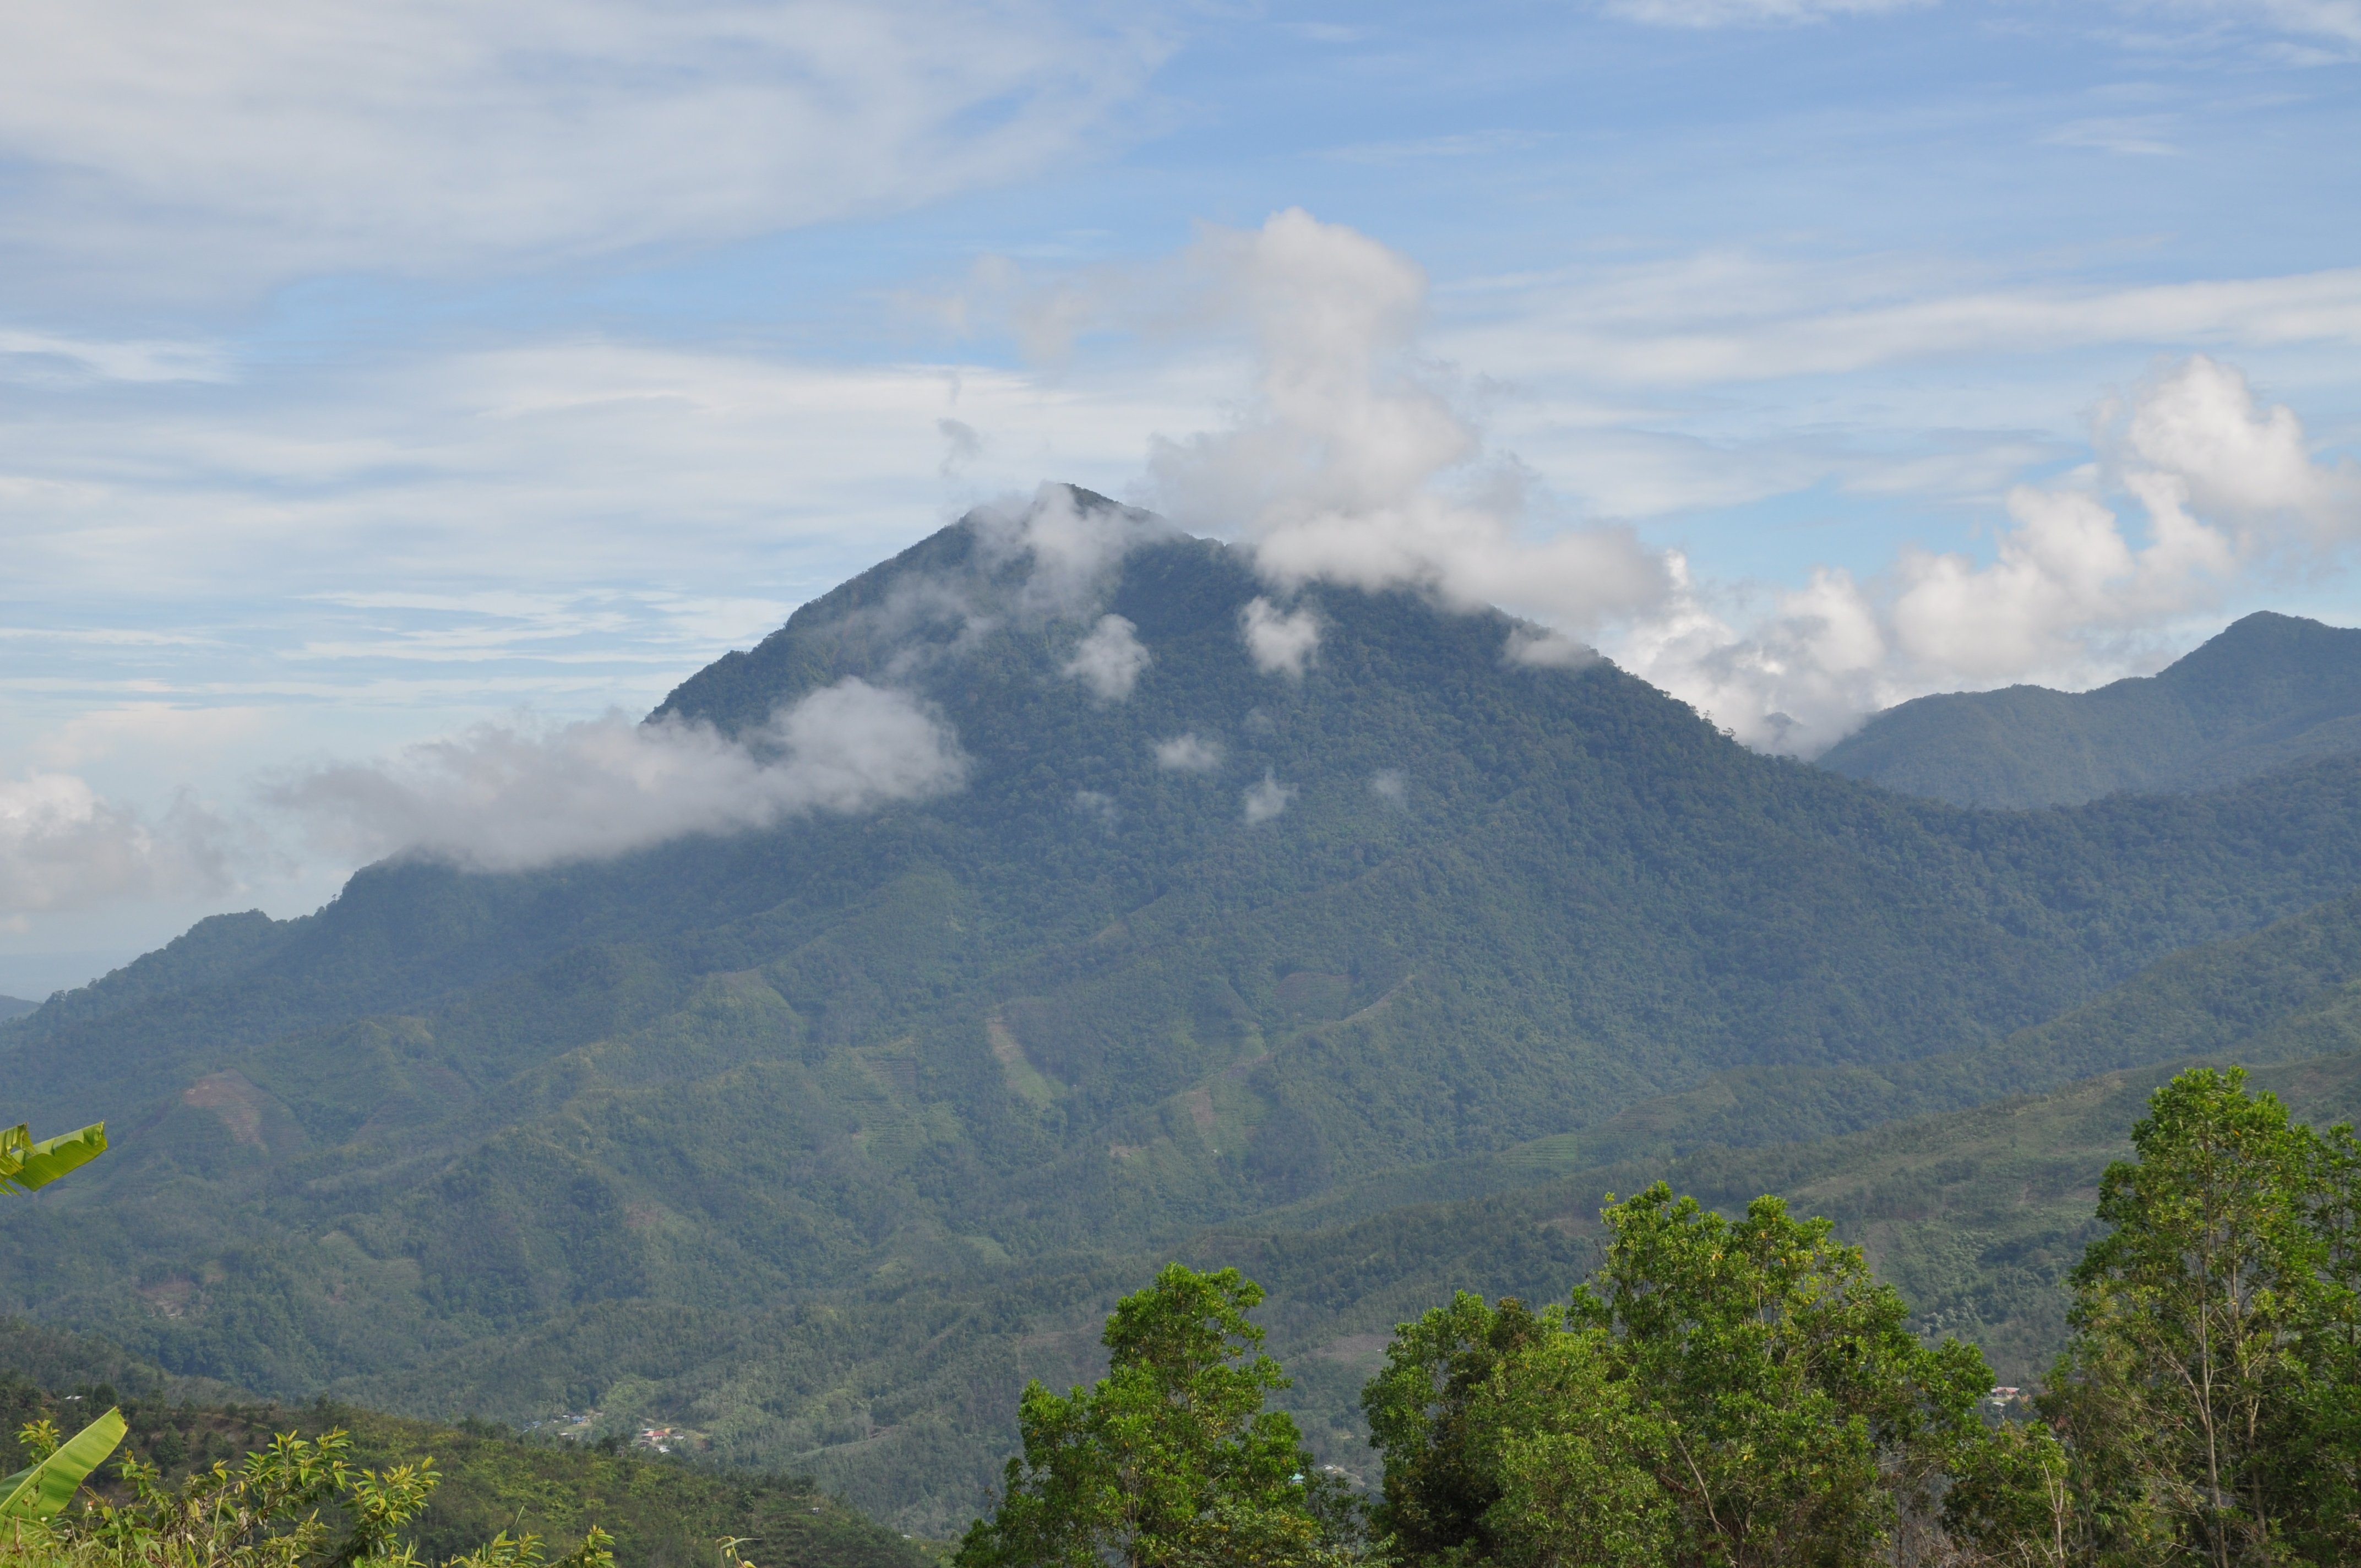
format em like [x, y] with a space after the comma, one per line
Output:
[1746, 1394]
[2208, 1395]
[1733, 1393]
[1170, 1461]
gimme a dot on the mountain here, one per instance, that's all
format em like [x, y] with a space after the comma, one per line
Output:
[822, 1138]
[1978, 1201]
[15, 1007]
[2268, 691]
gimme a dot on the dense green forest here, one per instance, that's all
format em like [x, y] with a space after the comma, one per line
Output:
[2271, 690]
[822, 1141]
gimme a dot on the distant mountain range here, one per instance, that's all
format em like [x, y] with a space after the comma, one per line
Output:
[2268, 691]
[15, 1007]
[823, 1138]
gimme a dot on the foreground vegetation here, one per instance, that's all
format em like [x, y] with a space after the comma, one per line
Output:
[649, 1511]
[1746, 1392]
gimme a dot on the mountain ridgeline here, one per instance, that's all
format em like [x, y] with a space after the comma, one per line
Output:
[821, 1139]
[2271, 690]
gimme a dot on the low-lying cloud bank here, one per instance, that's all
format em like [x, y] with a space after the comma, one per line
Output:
[505, 797]
[495, 797]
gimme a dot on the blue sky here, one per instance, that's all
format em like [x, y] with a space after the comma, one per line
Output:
[372, 371]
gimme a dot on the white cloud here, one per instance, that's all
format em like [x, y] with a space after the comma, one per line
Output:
[1351, 467]
[1189, 754]
[1110, 658]
[2229, 491]
[1071, 553]
[499, 797]
[159, 146]
[1390, 785]
[64, 847]
[1355, 463]
[1265, 800]
[1796, 680]
[1281, 643]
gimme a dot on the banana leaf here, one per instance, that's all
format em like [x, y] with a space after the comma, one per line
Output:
[40, 1491]
[25, 1164]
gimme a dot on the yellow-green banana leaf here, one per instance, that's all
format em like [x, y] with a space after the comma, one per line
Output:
[25, 1164]
[39, 1491]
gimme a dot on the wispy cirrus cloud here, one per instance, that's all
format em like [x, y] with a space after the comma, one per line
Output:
[2337, 20]
[1701, 14]
[38, 355]
[1482, 144]
[2140, 136]
[1723, 317]
[163, 149]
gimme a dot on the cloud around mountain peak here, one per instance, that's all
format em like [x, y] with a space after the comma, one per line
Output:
[1351, 465]
[2227, 488]
[1355, 463]
[504, 798]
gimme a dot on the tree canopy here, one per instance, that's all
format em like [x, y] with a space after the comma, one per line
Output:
[1744, 1392]
[1170, 1460]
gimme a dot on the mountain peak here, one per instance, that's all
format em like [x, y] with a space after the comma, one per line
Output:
[1060, 557]
[2267, 690]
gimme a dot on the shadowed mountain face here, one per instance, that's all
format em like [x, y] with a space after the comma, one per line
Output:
[822, 1138]
[2271, 690]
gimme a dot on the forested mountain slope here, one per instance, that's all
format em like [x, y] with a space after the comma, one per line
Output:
[823, 1137]
[2269, 690]
[933, 1360]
